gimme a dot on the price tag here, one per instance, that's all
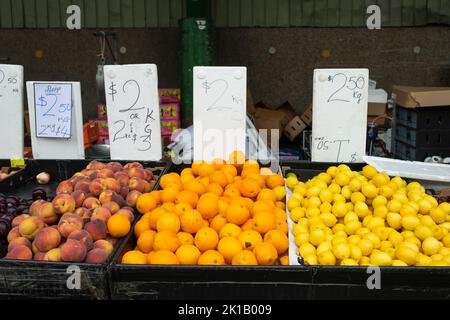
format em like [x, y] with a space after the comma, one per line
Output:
[132, 103]
[220, 102]
[53, 109]
[339, 129]
[17, 163]
[56, 120]
[11, 108]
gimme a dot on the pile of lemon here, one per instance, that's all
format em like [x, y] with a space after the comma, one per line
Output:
[344, 217]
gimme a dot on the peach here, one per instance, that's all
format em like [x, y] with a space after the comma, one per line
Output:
[69, 223]
[136, 184]
[148, 174]
[30, 227]
[132, 197]
[97, 229]
[82, 185]
[122, 178]
[34, 249]
[79, 197]
[47, 239]
[90, 174]
[124, 191]
[64, 187]
[101, 213]
[96, 187]
[20, 241]
[133, 165]
[127, 213]
[105, 173]
[147, 186]
[83, 213]
[114, 166]
[112, 206]
[84, 237]
[73, 251]
[76, 180]
[111, 240]
[91, 203]
[95, 165]
[39, 256]
[14, 233]
[47, 213]
[111, 184]
[107, 196]
[20, 252]
[104, 245]
[136, 173]
[53, 255]
[18, 220]
[35, 206]
[64, 203]
[96, 256]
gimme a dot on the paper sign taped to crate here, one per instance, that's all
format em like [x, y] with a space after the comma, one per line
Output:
[339, 127]
[132, 103]
[56, 119]
[220, 97]
[53, 109]
[11, 108]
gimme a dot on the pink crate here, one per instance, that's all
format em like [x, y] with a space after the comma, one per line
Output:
[169, 95]
[170, 111]
[168, 127]
[103, 128]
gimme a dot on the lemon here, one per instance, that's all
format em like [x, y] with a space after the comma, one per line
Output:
[380, 258]
[408, 210]
[395, 238]
[399, 182]
[350, 216]
[297, 196]
[446, 240]
[387, 191]
[314, 202]
[380, 179]
[325, 207]
[297, 213]
[354, 239]
[327, 258]
[332, 171]
[364, 261]
[317, 236]
[304, 222]
[313, 191]
[379, 201]
[361, 209]
[413, 240]
[438, 215]
[307, 249]
[292, 203]
[381, 212]
[424, 206]
[369, 190]
[280, 193]
[300, 189]
[413, 185]
[349, 262]
[386, 245]
[324, 246]
[291, 182]
[361, 232]
[410, 222]
[311, 260]
[325, 177]
[444, 251]
[297, 229]
[445, 225]
[352, 227]
[350, 206]
[432, 201]
[369, 171]
[372, 237]
[437, 257]
[431, 246]
[344, 168]
[439, 232]
[445, 206]
[301, 239]
[375, 223]
[366, 247]
[427, 221]
[339, 209]
[406, 254]
[341, 250]
[334, 188]
[312, 212]
[422, 232]
[423, 260]
[394, 205]
[366, 220]
[355, 185]
[440, 263]
[328, 219]
[400, 197]
[338, 198]
[382, 233]
[355, 252]
[338, 227]
[326, 196]
[399, 263]
[305, 202]
[357, 197]
[390, 252]
[316, 223]
[342, 179]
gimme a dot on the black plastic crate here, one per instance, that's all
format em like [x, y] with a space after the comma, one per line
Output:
[44, 280]
[425, 118]
[423, 139]
[7, 183]
[406, 151]
[205, 282]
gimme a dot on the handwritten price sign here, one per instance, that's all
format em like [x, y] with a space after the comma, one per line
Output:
[53, 109]
[339, 115]
[133, 112]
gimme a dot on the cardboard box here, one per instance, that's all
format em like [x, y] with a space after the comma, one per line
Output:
[307, 116]
[294, 128]
[376, 109]
[270, 120]
[417, 97]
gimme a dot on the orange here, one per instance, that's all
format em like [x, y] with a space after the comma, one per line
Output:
[145, 241]
[155, 215]
[249, 188]
[258, 178]
[149, 256]
[157, 195]
[168, 195]
[215, 188]
[248, 225]
[169, 206]
[248, 203]
[186, 178]
[205, 169]
[274, 180]
[267, 194]
[218, 163]
[237, 213]
[186, 171]
[229, 169]
[196, 166]
[195, 186]
[244, 258]
[169, 179]
[134, 257]
[191, 221]
[146, 202]
[265, 254]
[188, 254]
[205, 224]
[218, 222]
[264, 221]
[230, 230]
[187, 196]
[261, 205]
[118, 226]
[208, 206]
[250, 166]
[168, 222]
[185, 238]
[141, 226]
[223, 205]
[218, 177]
[265, 172]
[250, 239]
[232, 192]
[281, 205]
[211, 257]
[204, 181]
[284, 260]
[164, 257]
[282, 226]
[280, 214]
[166, 240]
[206, 239]
[237, 158]
[278, 239]
[182, 208]
[228, 247]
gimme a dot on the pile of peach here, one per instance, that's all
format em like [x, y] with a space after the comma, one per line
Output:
[90, 211]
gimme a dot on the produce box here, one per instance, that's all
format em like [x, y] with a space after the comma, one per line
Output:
[146, 281]
[7, 179]
[33, 279]
[354, 282]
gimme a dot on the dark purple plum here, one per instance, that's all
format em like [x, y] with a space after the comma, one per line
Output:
[5, 227]
[12, 210]
[39, 193]
[13, 200]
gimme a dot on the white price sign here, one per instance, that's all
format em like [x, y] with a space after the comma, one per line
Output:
[132, 103]
[339, 129]
[53, 109]
[11, 108]
[220, 102]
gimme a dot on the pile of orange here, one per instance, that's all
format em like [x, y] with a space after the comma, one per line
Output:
[218, 213]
